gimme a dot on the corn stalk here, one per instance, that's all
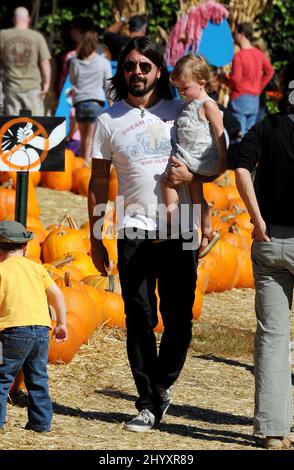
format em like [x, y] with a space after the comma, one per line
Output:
[244, 10]
[240, 10]
[128, 7]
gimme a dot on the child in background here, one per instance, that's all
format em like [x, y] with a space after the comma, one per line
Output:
[25, 288]
[201, 141]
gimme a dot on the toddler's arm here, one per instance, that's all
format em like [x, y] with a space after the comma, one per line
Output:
[213, 115]
[56, 299]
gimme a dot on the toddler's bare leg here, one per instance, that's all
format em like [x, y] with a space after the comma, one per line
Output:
[209, 237]
[171, 200]
[197, 195]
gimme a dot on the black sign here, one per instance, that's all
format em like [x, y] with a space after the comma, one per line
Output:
[29, 143]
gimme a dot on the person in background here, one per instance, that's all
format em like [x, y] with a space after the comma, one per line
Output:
[262, 46]
[78, 27]
[89, 75]
[251, 71]
[25, 324]
[25, 59]
[115, 42]
[268, 147]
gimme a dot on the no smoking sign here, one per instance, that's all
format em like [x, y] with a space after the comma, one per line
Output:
[32, 143]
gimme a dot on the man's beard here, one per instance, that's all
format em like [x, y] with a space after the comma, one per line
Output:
[136, 91]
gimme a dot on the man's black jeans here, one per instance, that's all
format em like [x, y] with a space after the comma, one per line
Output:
[140, 263]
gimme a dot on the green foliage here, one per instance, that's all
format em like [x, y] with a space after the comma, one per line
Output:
[277, 26]
[162, 13]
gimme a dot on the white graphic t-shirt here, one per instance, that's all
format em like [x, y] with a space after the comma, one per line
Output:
[139, 148]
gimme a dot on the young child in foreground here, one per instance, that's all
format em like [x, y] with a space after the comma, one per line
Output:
[25, 291]
[201, 143]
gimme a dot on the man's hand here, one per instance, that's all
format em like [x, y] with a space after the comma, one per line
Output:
[100, 257]
[177, 174]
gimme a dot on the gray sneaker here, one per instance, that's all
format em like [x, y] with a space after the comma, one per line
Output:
[143, 422]
[165, 395]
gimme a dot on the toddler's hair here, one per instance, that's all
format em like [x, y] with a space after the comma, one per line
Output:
[195, 66]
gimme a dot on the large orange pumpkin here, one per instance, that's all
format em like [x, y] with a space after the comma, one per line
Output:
[109, 283]
[197, 306]
[61, 180]
[7, 203]
[18, 385]
[114, 310]
[215, 196]
[60, 242]
[64, 352]
[113, 184]
[245, 278]
[77, 175]
[78, 301]
[222, 266]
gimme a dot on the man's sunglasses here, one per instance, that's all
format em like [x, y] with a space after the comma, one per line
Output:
[131, 65]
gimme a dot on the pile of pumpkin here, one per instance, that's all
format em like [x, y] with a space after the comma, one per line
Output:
[93, 300]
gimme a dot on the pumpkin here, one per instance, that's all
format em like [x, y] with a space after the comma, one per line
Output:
[197, 306]
[109, 283]
[78, 162]
[231, 192]
[113, 184]
[235, 239]
[245, 278]
[236, 205]
[215, 196]
[77, 175]
[60, 242]
[80, 261]
[243, 221]
[79, 301]
[7, 203]
[114, 310]
[18, 385]
[61, 180]
[84, 185]
[98, 297]
[33, 249]
[64, 352]
[226, 179]
[222, 266]
[202, 277]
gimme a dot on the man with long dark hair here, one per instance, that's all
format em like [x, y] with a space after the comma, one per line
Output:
[135, 134]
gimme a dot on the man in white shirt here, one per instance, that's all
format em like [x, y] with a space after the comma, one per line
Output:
[136, 136]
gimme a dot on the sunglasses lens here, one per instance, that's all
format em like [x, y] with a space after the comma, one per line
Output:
[129, 66]
[145, 67]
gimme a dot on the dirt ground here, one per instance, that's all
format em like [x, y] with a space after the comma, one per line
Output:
[212, 401]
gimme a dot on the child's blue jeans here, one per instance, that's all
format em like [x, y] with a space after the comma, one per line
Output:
[27, 347]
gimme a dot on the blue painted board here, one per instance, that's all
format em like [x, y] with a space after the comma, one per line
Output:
[217, 44]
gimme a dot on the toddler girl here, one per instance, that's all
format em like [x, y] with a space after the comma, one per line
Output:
[201, 141]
